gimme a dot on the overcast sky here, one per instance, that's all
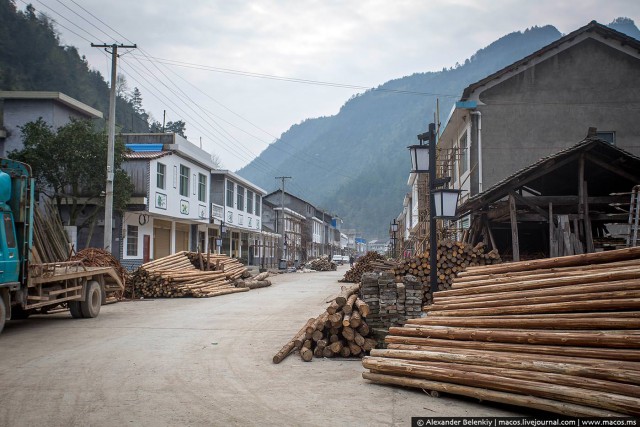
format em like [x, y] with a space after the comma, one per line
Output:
[361, 43]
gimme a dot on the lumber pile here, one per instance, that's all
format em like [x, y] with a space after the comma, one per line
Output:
[321, 264]
[364, 265]
[340, 331]
[255, 282]
[453, 258]
[391, 303]
[177, 276]
[559, 334]
[95, 257]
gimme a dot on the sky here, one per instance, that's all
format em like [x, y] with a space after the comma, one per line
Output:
[232, 70]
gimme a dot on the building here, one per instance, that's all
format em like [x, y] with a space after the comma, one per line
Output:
[169, 209]
[18, 108]
[542, 104]
[236, 207]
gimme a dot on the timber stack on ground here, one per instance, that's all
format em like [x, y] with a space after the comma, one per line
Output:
[453, 258]
[185, 274]
[340, 331]
[391, 303]
[321, 264]
[560, 335]
[372, 261]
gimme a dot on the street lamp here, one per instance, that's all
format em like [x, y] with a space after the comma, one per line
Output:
[442, 202]
[394, 229]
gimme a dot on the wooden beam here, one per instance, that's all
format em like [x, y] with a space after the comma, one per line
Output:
[613, 169]
[526, 202]
[515, 244]
[588, 231]
[553, 244]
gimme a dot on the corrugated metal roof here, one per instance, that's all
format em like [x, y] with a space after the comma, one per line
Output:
[146, 155]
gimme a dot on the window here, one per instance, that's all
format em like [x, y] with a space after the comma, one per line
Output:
[229, 194]
[195, 184]
[608, 136]
[184, 181]
[249, 201]
[161, 176]
[258, 205]
[202, 187]
[464, 153]
[8, 231]
[132, 240]
[240, 204]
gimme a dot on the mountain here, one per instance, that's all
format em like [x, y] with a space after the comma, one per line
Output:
[32, 59]
[355, 163]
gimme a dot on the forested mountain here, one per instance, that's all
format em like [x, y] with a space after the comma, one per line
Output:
[31, 58]
[356, 163]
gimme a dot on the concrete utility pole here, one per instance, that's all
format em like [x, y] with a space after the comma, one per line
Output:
[283, 178]
[108, 201]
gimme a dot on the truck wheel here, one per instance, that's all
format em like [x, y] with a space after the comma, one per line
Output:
[3, 313]
[90, 307]
[74, 308]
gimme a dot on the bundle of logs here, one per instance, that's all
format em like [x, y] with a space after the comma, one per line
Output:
[177, 276]
[255, 282]
[95, 257]
[453, 257]
[340, 331]
[559, 335]
[50, 241]
[372, 261]
[321, 264]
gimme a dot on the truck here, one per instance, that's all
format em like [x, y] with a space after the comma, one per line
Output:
[31, 287]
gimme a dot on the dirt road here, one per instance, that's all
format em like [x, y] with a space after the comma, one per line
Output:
[198, 362]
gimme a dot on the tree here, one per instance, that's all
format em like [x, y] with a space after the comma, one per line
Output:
[136, 100]
[69, 165]
[121, 86]
[178, 127]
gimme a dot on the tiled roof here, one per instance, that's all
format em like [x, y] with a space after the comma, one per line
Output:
[146, 155]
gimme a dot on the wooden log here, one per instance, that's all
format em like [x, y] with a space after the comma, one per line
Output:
[336, 347]
[288, 347]
[359, 339]
[356, 319]
[549, 405]
[363, 308]
[369, 344]
[346, 319]
[354, 348]
[615, 377]
[348, 333]
[345, 351]
[568, 261]
[306, 354]
[595, 353]
[348, 307]
[326, 352]
[333, 307]
[364, 329]
[528, 323]
[570, 338]
[623, 404]
[346, 292]
[317, 336]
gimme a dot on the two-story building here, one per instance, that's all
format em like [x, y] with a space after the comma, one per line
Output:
[236, 206]
[169, 209]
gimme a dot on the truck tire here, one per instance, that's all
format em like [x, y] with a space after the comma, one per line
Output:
[90, 307]
[3, 313]
[74, 308]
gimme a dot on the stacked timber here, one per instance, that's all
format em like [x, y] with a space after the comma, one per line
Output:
[321, 264]
[50, 241]
[217, 262]
[340, 331]
[560, 335]
[453, 258]
[387, 290]
[255, 282]
[372, 261]
[391, 303]
[370, 294]
[176, 276]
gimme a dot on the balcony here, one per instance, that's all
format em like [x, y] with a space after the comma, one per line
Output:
[217, 212]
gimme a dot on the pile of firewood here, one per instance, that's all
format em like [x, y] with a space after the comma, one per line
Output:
[95, 257]
[453, 258]
[560, 335]
[255, 282]
[176, 276]
[321, 264]
[372, 261]
[341, 331]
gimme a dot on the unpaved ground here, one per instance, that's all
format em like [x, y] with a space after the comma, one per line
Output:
[198, 362]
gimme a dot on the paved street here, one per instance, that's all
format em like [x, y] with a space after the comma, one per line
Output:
[198, 362]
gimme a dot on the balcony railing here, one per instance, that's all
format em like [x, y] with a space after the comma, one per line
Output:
[217, 211]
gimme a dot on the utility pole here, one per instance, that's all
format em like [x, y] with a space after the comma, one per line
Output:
[282, 178]
[108, 201]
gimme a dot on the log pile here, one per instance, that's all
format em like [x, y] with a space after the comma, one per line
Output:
[372, 261]
[50, 241]
[95, 257]
[560, 335]
[176, 276]
[340, 331]
[255, 282]
[321, 264]
[453, 258]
